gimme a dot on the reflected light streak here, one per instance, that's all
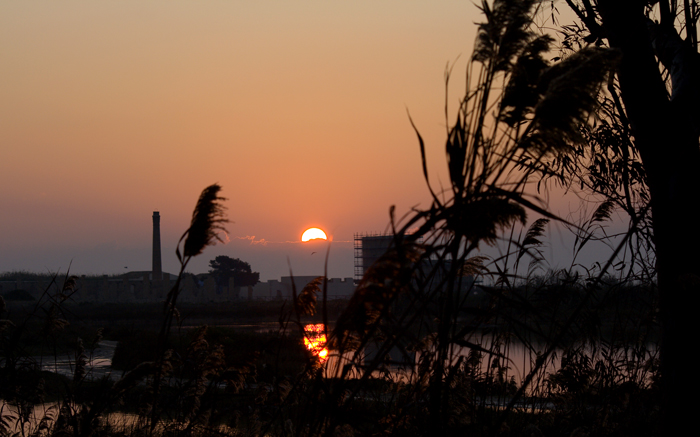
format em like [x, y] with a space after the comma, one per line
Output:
[315, 340]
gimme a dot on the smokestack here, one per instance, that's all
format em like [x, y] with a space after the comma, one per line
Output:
[157, 267]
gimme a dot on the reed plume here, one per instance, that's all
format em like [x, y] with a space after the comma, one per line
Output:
[208, 220]
[305, 302]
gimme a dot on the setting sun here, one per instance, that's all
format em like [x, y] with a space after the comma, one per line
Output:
[313, 234]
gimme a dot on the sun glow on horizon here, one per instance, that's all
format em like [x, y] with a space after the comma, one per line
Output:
[313, 234]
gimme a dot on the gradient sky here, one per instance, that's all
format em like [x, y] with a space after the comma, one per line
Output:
[110, 110]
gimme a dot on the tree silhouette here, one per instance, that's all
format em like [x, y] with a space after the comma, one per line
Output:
[655, 128]
[224, 267]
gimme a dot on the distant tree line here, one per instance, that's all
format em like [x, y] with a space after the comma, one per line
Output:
[223, 267]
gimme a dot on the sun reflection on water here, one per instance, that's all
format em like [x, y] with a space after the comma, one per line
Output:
[315, 340]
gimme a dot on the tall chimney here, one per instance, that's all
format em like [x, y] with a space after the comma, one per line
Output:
[157, 267]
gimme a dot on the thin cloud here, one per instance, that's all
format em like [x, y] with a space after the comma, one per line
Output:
[252, 240]
[264, 242]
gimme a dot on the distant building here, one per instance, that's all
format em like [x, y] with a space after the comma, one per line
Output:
[336, 288]
[368, 249]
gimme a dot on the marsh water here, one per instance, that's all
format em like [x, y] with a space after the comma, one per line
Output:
[504, 359]
[511, 357]
[98, 362]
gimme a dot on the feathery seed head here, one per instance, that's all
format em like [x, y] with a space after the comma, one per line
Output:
[208, 219]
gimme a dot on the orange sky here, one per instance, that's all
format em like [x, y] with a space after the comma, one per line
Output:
[111, 110]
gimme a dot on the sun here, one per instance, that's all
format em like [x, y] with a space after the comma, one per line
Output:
[313, 234]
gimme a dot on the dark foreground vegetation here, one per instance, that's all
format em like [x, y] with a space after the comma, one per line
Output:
[427, 344]
[118, 316]
[240, 381]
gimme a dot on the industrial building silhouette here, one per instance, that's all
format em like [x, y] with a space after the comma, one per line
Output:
[154, 285]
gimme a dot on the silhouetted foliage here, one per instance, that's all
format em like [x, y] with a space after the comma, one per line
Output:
[224, 267]
[642, 155]
[208, 220]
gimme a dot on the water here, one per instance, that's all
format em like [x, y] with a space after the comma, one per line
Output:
[515, 358]
[509, 360]
[99, 362]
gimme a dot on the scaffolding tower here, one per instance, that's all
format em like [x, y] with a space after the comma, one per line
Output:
[368, 248]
